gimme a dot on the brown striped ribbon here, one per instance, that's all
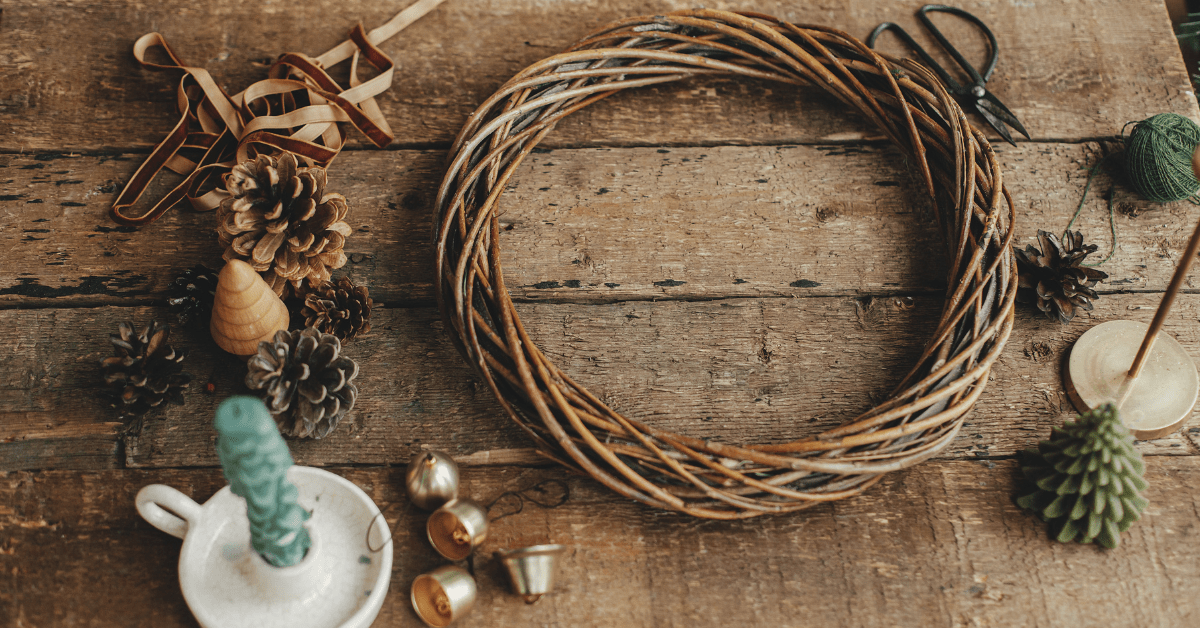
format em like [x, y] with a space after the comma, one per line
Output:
[298, 108]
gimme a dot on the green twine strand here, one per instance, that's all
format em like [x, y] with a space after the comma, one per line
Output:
[1158, 162]
[1158, 158]
[1112, 220]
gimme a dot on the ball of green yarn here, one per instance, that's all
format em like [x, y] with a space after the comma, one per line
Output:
[1158, 157]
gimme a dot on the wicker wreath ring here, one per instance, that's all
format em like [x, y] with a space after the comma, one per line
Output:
[703, 477]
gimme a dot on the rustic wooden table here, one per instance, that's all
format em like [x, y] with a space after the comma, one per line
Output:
[725, 258]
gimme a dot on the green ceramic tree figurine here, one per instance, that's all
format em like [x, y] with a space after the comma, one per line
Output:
[1089, 479]
[255, 460]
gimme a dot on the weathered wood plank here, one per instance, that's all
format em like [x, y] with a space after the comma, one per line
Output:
[754, 370]
[43, 422]
[1068, 70]
[938, 545]
[594, 225]
[742, 370]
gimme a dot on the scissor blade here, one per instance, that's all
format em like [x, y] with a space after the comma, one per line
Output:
[998, 109]
[981, 106]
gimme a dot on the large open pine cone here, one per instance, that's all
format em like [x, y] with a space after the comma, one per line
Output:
[1054, 278]
[279, 220]
[305, 381]
[145, 370]
[339, 308]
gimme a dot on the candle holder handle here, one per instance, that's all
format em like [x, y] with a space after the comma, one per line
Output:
[167, 509]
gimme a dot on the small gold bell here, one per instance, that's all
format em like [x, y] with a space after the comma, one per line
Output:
[431, 480]
[457, 528]
[443, 595]
[531, 569]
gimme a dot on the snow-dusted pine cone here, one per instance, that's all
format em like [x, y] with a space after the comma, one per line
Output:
[190, 295]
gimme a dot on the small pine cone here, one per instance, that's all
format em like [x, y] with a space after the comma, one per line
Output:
[190, 295]
[146, 371]
[279, 219]
[1053, 277]
[305, 381]
[339, 308]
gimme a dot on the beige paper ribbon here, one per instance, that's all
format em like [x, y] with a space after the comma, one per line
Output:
[298, 108]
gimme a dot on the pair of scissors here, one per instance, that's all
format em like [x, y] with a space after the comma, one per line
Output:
[973, 96]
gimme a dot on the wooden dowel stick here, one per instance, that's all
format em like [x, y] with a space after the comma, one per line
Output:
[1168, 299]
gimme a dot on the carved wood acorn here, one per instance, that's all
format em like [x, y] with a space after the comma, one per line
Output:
[279, 219]
[245, 310]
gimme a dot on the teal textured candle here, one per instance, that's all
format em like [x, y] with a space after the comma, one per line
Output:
[255, 460]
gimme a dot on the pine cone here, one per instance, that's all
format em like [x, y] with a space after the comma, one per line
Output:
[305, 381]
[279, 220]
[190, 295]
[146, 370]
[1089, 479]
[339, 308]
[1054, 278]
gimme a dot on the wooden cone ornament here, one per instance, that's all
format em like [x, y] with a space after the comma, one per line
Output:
[245, 310]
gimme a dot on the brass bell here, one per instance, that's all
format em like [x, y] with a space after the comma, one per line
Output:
[431, 480]
[457, 528]
[531, 569]
[443, 595]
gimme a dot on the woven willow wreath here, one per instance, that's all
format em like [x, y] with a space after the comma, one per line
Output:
[697, 476]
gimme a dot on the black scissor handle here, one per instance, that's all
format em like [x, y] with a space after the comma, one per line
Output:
[912, 43]
[994, 49]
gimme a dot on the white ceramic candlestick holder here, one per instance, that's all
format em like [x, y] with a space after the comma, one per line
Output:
[340, 583]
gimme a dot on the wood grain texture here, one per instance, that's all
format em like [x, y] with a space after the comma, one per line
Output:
[717, 192]
[740, 370]
[596, 225]
[938, 545]
[1069, 70]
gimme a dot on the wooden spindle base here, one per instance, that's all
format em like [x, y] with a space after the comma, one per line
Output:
[1153, 404]
[1147, 373]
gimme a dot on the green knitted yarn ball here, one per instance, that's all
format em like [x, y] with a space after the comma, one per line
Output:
[1158, 157]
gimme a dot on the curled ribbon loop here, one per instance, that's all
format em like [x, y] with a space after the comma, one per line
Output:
[298, 108]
